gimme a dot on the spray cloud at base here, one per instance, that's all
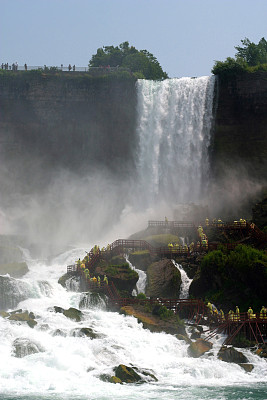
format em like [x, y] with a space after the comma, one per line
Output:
[172, 170]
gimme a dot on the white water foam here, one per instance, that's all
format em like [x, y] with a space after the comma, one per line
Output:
[71, 365]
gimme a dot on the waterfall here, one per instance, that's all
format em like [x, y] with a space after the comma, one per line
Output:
[186, 281]
[141, 283]
[174, 123]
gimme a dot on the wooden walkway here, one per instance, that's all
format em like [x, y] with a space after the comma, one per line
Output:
[193, 310]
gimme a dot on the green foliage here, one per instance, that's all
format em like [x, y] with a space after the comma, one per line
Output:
[230, 67]
[162, 240]
[240, 274]
[163, 312]
[250, 57]
[113, 270]
[141, 296]
[142, 63]
[253, 54]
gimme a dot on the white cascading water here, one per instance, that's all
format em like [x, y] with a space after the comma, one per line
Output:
[141, 283]
[175, 118]
[68, 366]
[186, 281]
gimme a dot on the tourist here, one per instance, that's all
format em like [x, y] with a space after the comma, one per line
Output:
[250, 313]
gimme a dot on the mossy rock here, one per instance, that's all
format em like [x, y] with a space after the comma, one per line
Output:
[14, 269]
[115, 379]
[140, 259]
[24, 317]
[73, 313]
[4, 314]
[127, 374]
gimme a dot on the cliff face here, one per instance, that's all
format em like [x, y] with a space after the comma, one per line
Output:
[63, 121]
[240, 131]
[80, 123]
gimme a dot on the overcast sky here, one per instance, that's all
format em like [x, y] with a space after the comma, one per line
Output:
[186, 36]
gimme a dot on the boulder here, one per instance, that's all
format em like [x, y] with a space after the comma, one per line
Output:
[71, 313]
[71, 282]
[24, 317]
[23, 347]
[81, 332]
[198, 348]
[93, 299]
[123, 277]
[163, 280]
[231, 355]
[172, 325]
[127, 374]
[140, 259]
[130, 375]
[247, 367]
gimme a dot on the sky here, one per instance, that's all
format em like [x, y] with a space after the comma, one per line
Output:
[186, 36]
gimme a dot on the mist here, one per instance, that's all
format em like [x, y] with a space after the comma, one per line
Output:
[99, 185]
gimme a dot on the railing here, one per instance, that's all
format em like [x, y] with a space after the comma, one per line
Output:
[70, 68]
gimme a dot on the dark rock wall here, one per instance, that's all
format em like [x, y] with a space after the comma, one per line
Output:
[67, 121]
[82, 123]
[240, 131]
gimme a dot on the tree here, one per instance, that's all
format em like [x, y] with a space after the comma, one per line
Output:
[142, 63]
[249, 57]
[251, 53]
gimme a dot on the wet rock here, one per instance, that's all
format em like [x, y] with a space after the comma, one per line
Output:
[247, 367]
[163, 280]
[12, 292]
[262, 351]
[81, 332]
[132, 374]
[198, 348]
[195, 334]
[183, 337]
[93, 299]
[114, 379]
[58, 309]
[231, 355]
[71, 282]
[73, 313]
[24, 317]
[140, 259]
[4, 314]
[59, 332]
[23, 347]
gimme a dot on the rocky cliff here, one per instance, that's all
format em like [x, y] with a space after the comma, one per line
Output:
[65, 120]
[240, 129]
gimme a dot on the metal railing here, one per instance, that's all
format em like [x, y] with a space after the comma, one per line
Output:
[70, 68]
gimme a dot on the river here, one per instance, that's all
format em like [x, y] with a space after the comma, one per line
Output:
[69, 367]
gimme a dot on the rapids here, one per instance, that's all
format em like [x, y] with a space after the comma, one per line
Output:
[69, 366]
